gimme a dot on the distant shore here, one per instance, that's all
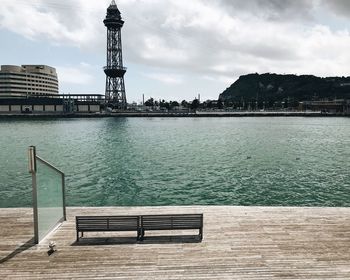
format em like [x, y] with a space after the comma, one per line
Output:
[173, 115]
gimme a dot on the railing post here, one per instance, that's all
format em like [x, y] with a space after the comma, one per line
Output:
[32, 170]
[64, 196]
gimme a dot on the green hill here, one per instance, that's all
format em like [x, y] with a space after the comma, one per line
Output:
[277, 88]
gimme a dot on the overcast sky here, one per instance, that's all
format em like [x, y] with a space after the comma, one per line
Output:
[176, 49]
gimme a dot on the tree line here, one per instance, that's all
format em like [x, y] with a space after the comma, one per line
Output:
[184, 104]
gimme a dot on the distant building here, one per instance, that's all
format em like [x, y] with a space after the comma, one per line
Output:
[327, 106]
[28, 80]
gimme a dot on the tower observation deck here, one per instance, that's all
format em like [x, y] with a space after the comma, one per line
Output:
[115, 71]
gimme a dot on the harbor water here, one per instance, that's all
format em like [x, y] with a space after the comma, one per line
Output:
[183, 161]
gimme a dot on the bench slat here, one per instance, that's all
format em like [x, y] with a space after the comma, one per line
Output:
[170, 222]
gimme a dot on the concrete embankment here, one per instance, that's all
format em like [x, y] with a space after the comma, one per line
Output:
[172, 115]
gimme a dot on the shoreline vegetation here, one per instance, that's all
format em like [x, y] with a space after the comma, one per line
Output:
[291, 89]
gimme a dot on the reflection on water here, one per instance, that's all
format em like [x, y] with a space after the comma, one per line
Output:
[208, 161]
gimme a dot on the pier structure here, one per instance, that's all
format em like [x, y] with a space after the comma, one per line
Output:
[256, 243]
[51, 104]
[115, 87]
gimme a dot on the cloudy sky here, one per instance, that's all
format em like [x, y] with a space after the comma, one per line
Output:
[176, 49]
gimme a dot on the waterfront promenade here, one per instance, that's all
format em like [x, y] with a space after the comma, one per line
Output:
[239, 243]
[173, 114]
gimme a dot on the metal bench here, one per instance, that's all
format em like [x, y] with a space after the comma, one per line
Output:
[107, 223]
[172, 222]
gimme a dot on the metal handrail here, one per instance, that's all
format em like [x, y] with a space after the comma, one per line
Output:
[49, 164]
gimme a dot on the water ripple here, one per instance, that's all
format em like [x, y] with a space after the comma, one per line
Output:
[213, 161]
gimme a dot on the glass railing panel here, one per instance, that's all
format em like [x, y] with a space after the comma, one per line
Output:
[50, 202]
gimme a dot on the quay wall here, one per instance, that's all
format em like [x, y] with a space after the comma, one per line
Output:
[15, 110]
[85, 111]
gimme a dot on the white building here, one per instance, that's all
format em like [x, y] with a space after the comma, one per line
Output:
[28, 80]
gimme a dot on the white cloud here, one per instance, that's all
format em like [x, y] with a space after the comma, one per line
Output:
[85, 65]
[165, 78]
[73, 75]
[221, 39]
[62, 22]
[222, 79]
[209, 38]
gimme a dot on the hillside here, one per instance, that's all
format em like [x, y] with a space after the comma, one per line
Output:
[277, 88]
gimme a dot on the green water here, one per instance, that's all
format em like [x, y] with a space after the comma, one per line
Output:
[184, 161]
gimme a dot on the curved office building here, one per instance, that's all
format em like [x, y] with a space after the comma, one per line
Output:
[28, 80]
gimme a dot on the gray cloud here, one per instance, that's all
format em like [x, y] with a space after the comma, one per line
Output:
[202, 39]
[217, 39]
[275, 10]
[340, 7]
[226, 38]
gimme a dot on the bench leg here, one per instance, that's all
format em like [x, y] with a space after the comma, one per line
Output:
[138, 235]
[82, 235]
[142, 234]
[201, 234]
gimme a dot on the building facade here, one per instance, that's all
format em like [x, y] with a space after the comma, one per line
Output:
[28, 80]
[339, 106]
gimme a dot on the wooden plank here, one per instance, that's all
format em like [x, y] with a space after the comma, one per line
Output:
[239, 243]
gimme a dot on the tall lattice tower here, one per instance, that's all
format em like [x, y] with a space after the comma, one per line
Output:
[115, 87]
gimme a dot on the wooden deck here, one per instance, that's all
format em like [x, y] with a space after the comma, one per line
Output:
[239, 243]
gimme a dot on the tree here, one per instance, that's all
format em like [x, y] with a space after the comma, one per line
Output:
[210, 104]
[184, 104]
[229, 104]
[195, 104]
[164, 104]
[149, 102]
[174, 104]
[220, 104]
